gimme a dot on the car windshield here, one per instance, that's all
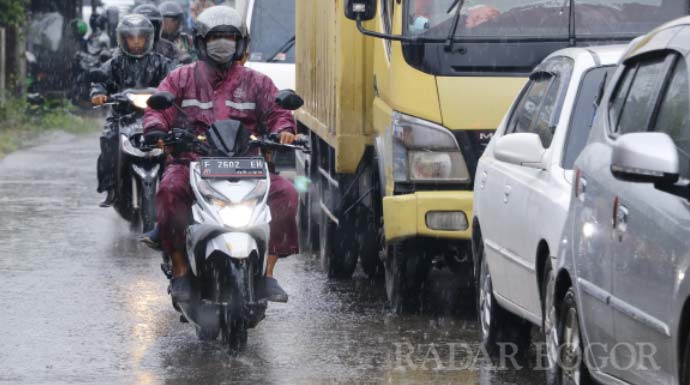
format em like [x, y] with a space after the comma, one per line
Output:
[273, 31]
[537, 18]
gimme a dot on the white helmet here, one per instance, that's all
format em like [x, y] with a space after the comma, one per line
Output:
[221, 19]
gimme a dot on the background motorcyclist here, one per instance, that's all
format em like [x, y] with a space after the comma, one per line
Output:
[173, 20]
[218, 87]
[135, 65]
[162, 46]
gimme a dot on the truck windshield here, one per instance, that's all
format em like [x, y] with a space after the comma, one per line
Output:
[273, 31]
[541, 18]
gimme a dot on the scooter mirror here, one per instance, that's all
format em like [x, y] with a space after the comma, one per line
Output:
[161, 101]
[289, 100]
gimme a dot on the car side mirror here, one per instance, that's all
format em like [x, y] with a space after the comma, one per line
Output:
[362, 9]
[645, 157]
[289, 100]
[522, 148]
[161, 101]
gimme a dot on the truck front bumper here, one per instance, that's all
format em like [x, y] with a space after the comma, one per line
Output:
[410, 215]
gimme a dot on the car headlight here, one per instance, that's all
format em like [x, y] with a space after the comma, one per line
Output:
[139, 100]
[129, 148]
[425, 152]
[236, 216]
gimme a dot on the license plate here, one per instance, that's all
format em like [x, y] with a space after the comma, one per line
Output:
[230, 168]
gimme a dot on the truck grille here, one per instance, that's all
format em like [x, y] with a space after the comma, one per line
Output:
[472, 143]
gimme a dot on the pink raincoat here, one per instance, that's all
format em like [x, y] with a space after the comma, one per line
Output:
[207, 95]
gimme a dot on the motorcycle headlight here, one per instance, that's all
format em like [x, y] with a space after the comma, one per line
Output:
[139, 100]
[129, 148]
[236, 216]
[208, 192]
[423, 151]
[258, 192]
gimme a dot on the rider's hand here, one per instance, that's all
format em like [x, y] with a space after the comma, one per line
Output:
[286, 137]
[98, 100]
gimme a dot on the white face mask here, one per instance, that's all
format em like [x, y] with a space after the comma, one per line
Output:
[221, 50]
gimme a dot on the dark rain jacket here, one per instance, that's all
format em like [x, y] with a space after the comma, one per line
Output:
[167, 49]
[125, 72]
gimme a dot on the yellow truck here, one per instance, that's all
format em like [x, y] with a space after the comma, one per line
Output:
[399, 118]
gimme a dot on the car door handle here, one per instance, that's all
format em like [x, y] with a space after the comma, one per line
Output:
[620, 218]
[482, 180]
[580, 186]
[506, 194]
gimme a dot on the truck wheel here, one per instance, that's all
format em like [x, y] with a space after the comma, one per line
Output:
[497, 326]
[337, 248]
[406, 268]
[308, 227]
[370, 225]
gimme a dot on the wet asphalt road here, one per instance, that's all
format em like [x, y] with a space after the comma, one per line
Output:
[82, 302]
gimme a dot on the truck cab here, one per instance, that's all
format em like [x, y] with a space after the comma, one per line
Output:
[402, 97]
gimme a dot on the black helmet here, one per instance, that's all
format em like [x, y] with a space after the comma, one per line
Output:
[135, 25]
[154, 16]
[98, 22]
[223, 20]
[172, 10]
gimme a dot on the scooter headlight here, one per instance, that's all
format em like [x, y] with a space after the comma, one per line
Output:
[236, 216]
[208, 192]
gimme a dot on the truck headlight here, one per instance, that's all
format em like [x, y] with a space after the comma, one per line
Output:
[425, 152]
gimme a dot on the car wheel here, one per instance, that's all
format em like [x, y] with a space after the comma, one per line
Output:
[571, 367]
[685, 363]
[497, 326]
[549, 325]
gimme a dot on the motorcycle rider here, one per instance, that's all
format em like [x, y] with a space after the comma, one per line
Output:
[162, 46]
[173, 19]
[133, 66]
[214, 88]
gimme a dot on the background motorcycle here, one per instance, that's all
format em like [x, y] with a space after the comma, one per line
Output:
[138, 169]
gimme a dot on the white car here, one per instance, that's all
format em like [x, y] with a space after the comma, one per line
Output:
[272, 49]
[523, 186]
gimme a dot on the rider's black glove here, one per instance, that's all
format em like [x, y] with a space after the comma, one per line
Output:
[152, 137]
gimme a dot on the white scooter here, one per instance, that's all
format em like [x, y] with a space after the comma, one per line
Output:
[227, 243]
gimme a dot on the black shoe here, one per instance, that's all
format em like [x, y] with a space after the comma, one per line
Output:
[181, 288]
[109, 199]
[152, 238]
[269, 289]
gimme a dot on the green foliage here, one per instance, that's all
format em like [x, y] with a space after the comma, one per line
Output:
[13, 12]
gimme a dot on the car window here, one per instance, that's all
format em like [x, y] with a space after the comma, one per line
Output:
[583, 112]
[619, 95]
[545, 125]
[639, 103]
[528, 106]
[538, 109]
[674, 115]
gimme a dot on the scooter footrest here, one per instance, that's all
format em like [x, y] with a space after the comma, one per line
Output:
[268, 289]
